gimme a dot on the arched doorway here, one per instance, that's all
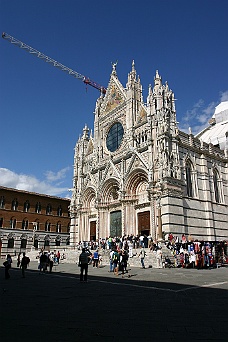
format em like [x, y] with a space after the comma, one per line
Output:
[47, 243]
[92, 230]
[36, 243]
[144, 223]
[116, 223]
[23, 244]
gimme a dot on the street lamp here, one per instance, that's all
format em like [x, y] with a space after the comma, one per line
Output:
[33, 233]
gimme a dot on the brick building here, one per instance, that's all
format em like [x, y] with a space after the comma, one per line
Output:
[30, 220]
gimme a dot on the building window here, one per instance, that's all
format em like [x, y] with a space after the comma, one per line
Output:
[10, 243]
[25, 224]
[26, 206]
[47, 226]
[188, 173]
[216, 186]
[38, 208]
[58, 227]
[1, 222]
[23, 243]
[115, 137]
[36, 243]
[49, 209]
[57, 240]
[14, 204]
[46, 243]
[36, 225]
[13, 223]
[2, 202]
[59, 211]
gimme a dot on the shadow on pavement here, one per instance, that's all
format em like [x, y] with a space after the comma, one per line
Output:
[57, 307]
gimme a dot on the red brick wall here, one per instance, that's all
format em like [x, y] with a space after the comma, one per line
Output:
[22, 196]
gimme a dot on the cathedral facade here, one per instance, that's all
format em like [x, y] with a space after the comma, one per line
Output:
[139, 174]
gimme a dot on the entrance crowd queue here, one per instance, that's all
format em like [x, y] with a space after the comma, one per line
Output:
[184, 252]
[120, 249]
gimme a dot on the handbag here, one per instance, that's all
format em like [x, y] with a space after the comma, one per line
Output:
[5, 263]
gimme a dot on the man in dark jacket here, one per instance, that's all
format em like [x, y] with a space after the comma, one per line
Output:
[24, 263]
[83, 263]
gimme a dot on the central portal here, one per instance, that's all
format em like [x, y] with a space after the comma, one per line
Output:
[144, 223]
[93, 230]
[116, 223]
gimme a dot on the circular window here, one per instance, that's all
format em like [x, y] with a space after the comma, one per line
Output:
[115, 137]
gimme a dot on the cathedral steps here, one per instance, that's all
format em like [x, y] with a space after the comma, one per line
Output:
[72, 256]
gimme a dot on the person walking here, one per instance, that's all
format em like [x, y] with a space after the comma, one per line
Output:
[83, 263]
[115, 260]
[130, 249]
[159, 258]
[24, 263]
[58, 256]
[43, 262]
[111, 265]
[142, 255]
[51, 261]
[18, 259]
[124, 260]
[95, 258]
[7, 265]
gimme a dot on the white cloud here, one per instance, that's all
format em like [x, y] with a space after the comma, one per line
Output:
[54, 176]
[198, 116]
[30, 183]
[224, 96]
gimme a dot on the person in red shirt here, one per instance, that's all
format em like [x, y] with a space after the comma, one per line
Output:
[58, 256]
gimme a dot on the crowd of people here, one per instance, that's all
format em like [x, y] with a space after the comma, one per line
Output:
[124, 242]
[190, 253]
[186, 252]
[22, 262]
[48, 260]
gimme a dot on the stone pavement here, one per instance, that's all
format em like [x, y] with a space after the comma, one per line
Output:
[151, 305]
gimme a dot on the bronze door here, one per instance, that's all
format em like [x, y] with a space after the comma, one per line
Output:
[92, 230]
[144, 223]
[116, 224]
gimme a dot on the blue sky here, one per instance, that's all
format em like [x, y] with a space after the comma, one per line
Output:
[43, 110]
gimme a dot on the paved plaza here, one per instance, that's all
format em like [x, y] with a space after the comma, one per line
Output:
[150, 305]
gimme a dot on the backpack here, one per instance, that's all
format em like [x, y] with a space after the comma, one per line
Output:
[27, 260]
[115, 257]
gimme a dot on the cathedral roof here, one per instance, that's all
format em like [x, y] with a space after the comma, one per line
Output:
[217, 132]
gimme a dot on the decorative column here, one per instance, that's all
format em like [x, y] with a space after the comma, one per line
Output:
[123, 219]
[159, 228]
[159, 218]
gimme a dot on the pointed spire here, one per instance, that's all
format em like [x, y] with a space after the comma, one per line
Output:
[85, 132]
[132, 76]
[157, 79]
